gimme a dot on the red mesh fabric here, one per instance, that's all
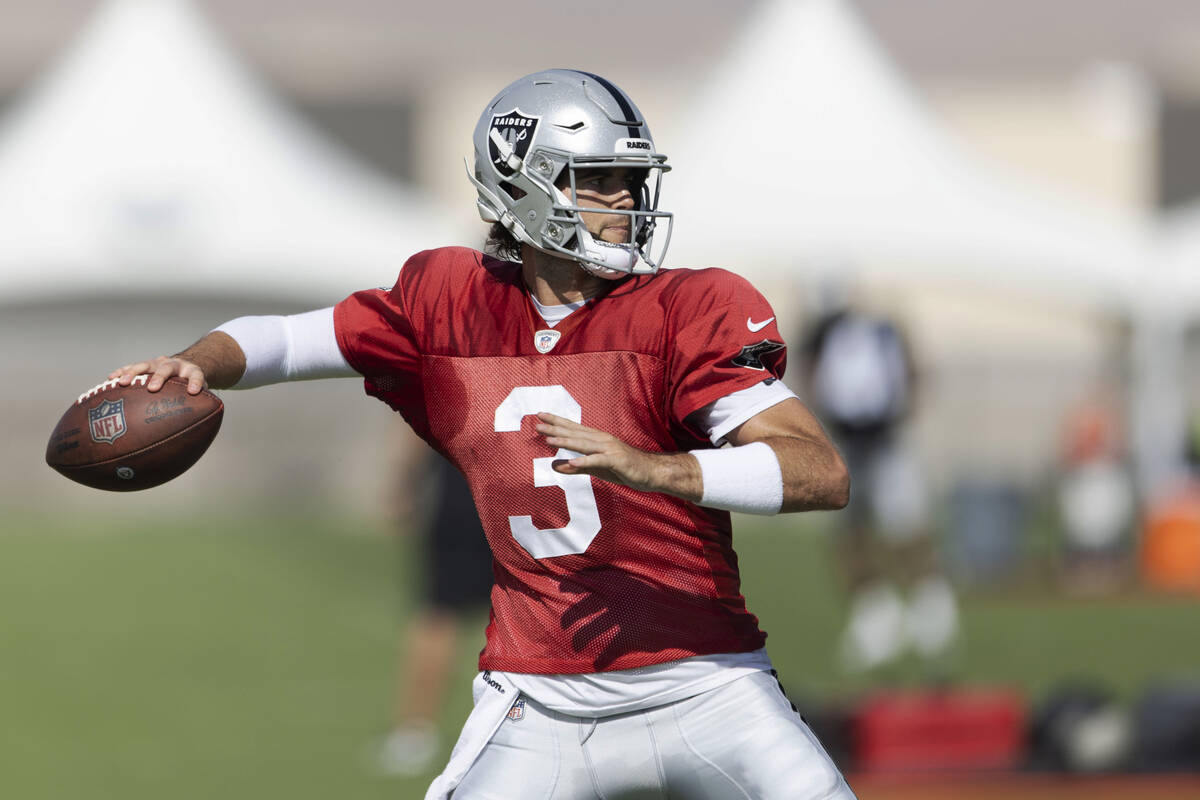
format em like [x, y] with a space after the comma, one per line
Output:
[659, 580]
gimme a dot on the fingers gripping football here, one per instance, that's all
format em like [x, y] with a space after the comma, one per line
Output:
[608, 458]
[159, 369]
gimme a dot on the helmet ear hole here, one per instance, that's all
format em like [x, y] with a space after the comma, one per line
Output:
[515, 193]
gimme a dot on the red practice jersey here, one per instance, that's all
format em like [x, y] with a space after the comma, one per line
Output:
[589, 575]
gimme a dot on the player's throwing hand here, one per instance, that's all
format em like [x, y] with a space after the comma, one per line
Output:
[159, 369]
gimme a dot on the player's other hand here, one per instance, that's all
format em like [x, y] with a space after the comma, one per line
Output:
[159, 369]
[605, 456]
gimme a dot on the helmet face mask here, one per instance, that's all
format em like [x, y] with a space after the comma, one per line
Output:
[531, 144]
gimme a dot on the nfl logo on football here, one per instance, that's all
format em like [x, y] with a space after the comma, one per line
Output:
[107, 421]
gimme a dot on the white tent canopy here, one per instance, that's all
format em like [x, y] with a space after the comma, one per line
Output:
[808, 151]
[150, 161]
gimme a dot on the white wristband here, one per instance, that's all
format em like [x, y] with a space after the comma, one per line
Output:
[746, 479]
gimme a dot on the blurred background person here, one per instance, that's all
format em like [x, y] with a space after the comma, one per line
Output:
[861, 378]
[1096, 498]
[452, 578]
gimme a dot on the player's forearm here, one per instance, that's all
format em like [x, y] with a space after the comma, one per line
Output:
[287, 348]
[675, 474]
[814, 475]
[772, 475]
[792, 467]
[219, 357]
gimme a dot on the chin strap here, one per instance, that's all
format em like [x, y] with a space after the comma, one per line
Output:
[609, 260]
[617, 259]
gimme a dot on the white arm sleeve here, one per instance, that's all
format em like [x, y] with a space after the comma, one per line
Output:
[293, 348]
[723, 415]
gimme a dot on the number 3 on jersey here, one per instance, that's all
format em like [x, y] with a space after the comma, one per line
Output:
[583, 522]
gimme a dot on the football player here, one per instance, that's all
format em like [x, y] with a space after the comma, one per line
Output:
[608, 417]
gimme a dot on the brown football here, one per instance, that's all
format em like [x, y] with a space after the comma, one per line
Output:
[123, 438]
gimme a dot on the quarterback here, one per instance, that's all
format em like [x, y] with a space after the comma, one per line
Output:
[608, 415]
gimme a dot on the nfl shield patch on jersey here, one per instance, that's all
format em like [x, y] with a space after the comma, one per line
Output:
[544, 341]
[517, 712]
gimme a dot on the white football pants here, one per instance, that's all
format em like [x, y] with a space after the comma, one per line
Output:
[741, 741]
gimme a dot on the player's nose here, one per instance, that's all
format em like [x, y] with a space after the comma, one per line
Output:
[622, 198]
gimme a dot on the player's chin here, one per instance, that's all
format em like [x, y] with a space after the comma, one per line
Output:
[617, 234]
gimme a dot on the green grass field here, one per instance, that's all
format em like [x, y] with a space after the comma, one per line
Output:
[252, 658]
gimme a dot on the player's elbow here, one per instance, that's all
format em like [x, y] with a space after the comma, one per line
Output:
[825, 489]
[839, 485]
[834, 490]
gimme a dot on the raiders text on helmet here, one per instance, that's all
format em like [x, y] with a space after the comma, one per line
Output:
[534, 135]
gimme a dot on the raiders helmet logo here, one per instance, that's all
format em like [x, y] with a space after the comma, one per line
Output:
[515, 128]
[751, 355]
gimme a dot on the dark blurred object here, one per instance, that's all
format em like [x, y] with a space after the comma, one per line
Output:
[453, 583]
[1178, 168]
[380, 132]
[956, 729]
[833, 724]
[862, 379]
[1167, 727]
[985, 527]
[1080, 728]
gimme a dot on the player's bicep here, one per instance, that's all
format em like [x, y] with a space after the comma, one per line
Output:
[278, 348]
[725, 341]
[724, 414]
[788, 418]
[313, 350]
[813, 472]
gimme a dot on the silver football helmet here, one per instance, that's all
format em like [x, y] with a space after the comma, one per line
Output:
[530, 141]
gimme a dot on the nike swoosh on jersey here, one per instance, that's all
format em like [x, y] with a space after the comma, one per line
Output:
[755, 327]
